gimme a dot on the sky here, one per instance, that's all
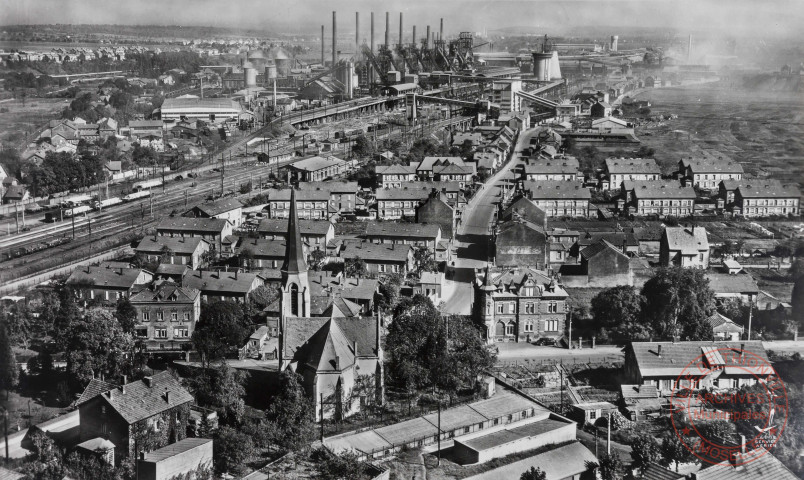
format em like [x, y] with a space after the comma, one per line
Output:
[776, 18]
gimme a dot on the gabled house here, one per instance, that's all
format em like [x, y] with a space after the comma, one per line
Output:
[519, 242]
[686, 247]
[659, 197]
[741, 286]
[106, 282]
[436, 210]
[605, 265]
[618, 170]
[414, 234]
[760, 198]
[316, 234]
[230, 209]
[156, 408]
[312, 204]
[380, 258]
[342, 195]
[394, 176]
[559, 198]
[223, 286]
[166, 315]
[213, 230]
[190, 251]
[707, 171]
[428, 169]
[724, 328]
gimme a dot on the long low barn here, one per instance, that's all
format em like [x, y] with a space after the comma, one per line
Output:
[211, 109]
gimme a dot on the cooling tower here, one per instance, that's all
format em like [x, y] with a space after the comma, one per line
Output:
[541, 65]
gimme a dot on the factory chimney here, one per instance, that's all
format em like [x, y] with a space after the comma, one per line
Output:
[441, 31]
[387, 27]
[689, 50]
[371, 46]
[322, 45]
[428, 37]
[334, 40]
[357, 33]
[613, 44]
[400, 29]
[413, 41]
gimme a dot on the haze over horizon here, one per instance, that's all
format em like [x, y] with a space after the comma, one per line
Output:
[774, 18]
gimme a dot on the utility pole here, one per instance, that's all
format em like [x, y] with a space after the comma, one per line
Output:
[561, 372]
[608, 436]
[439, 433]
[750, 317]
[322, 418]
[17, 215]
[73, 218]
[569, 344]
[5, 428]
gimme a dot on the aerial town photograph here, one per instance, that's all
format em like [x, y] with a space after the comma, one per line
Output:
[401, 240]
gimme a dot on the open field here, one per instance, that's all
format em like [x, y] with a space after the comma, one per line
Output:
[762, 130]
[21, 120]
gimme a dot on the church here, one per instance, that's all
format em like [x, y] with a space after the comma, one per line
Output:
[325, 339]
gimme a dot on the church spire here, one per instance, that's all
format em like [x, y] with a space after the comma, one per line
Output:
[294, 254]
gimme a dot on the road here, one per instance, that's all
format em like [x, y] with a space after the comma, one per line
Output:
[471, 243]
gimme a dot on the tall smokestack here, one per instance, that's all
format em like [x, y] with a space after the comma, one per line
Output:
[400, 29]
[441, 30]
[357, 33]
[371, 38]
[428, 36]
[322, 45]
[334, 39]
[414, 41]
[387, 27]
[689, 50]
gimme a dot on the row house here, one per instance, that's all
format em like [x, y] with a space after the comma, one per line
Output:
[166, 315]
[657, 198]
[414, 234]
[559, 198]
[230, 209]
[316, 234]
[397, 203]
[342, 195]
[223, 286]
[706, 172]
[618, 170]
[188, 251]
[213, 230]
[316, 169]
[312, 204]
[260, 253]
[107, 282]
[380, 258]
[565, 170]
[427, 169]
[759, 198]
[521, 304]
[395, 176]
[462, 174]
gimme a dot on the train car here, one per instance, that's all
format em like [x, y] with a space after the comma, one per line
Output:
[107, 203]
[137, 195]
[146, 184]
[72, 212]
[75, 200]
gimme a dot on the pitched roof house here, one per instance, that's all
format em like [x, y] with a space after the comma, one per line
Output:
[686, 247]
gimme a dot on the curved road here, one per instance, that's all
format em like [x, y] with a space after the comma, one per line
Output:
[471, 243]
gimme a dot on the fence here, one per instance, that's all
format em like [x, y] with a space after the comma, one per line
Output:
[573, 360]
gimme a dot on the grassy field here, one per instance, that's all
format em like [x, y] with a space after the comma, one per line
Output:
[18, 121]
[762, 130]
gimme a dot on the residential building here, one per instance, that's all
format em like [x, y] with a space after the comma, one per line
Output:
[255, 254]
[625, 242]
[336, 354]
[641, 400]
[473, 139]
[142, 128]
[223, 286]
[157, 405]
[342, 195]
[524, 208]
[16, 194]
[312, 204]
[430, 284]
[414, 234]
[618, 170]
[657, 198]
[380, 258]
[724, 328]
[354, 289]
[662, 364]
[395, 176]
[436, 210]
[600, 110]
[519, 242]
[398, 203]
[430, 167]
[560, 169]
[741, 286]
[230, 209]
[521, 304]
[605, 265]
[316, 234]
[707, 171]
[166, 315]
[316, 169]
[686, 247]
[760, 198]
[178, 460]
[213, 230]
[559, 198]
[105, 282]
[463, 174]
[190, 251]
[758, 464]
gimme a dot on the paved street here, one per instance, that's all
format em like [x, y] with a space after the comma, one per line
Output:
[471, 242]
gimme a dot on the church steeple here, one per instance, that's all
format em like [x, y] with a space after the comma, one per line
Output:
[294, 253]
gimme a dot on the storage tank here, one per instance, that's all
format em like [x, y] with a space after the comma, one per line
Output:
[282, 62]
[250, 75]
[613, 46]
[270, 71]
[541, 65]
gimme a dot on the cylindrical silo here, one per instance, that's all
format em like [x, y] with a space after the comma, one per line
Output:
[250, 75]
[613, 46]
[541, 65]
[270, 71]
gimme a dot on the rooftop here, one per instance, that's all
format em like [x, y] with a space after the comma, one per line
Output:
[123, 278]
[167, 292]
[410, 230]
[220, 282]
[147, 397]
[689, 241]
[671, 358]
[218, 207]
[723, 283]
[557, 190]
[207, 225]
[316, 163]
[658, 189]
[559, 463]
[177, 245]
[176, 449]
[200, 103]
[279, 226]
[376, 252]
[632, 166]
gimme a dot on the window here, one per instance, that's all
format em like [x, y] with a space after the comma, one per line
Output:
[181, 332]
[528, 327]
[509, 329]
[294, 299]
[186, 316]
[551, 325]
[552, 307]
[530, 308]
[512, 307]
[174, 316]
[160, 316]
[160, 333]
[701, 257]
[141, 332]
[146, 316]
[499, 308]
[466, 430]
[592, 414]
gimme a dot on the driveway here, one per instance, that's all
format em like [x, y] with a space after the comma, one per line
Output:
[471, 243]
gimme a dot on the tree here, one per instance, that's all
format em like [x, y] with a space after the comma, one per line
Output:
[618, 309]
[677, 303]
[9, 372]
[343, 466]
[388, 295]
[796, 269]
[609, 465]
[231, 449]
[674, 451]
[220, 328]
[126, 315]
[222, 389]
[263, 296]
[362, 147]
[423, 260]
[290, 414]
[96, 344]
[317, 259]
[355, 267]
[533, 474]
[645, 449]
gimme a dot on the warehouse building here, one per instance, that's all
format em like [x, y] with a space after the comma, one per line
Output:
[212, 109]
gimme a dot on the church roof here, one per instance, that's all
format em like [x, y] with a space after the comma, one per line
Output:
[294, 254]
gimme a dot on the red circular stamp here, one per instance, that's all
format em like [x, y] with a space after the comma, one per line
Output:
[729, 406]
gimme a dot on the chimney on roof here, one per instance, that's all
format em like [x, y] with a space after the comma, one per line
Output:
[659, 349]
[147, 381]
[111, 394]
[355, 348]
[167, 396]
[142, 455]
[742, 348]
[337, 362]
[125, 381]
